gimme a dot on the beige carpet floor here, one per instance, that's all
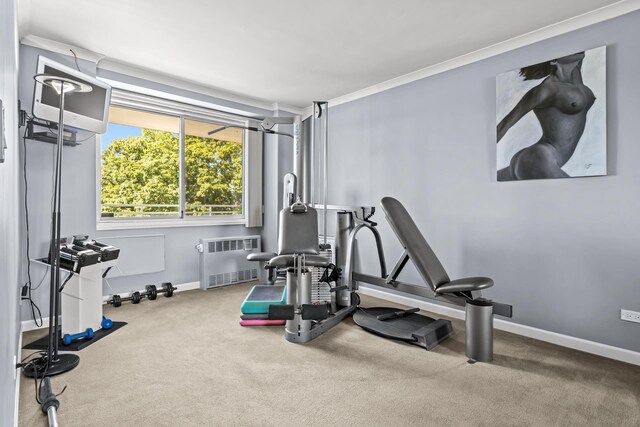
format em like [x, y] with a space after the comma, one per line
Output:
[185, 361]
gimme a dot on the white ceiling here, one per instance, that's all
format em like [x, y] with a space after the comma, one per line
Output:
[289, 51]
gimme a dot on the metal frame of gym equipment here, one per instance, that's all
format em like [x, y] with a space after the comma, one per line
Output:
[306, 321]
[462, 292]
[300, 168]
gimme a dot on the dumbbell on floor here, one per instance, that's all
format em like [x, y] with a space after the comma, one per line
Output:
[117, 300]
[151, 292]
[167, 289]
[67, 338]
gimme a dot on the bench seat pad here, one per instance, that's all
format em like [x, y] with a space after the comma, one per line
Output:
[464, 285]
[261, 256]
[310, 261]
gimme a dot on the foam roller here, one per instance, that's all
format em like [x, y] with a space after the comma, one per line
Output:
[315, 311]
[281, 312]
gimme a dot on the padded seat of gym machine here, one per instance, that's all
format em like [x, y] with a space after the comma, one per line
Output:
[309, 260]
[465, 284]
[261, 256]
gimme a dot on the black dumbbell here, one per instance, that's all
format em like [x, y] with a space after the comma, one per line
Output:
[167, 290]
[151, 292]
[117, 300]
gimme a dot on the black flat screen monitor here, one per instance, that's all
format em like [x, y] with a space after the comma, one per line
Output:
[88, 110]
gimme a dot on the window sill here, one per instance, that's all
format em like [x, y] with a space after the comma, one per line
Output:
[123, 224]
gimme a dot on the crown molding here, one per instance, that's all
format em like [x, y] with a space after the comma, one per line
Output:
[61, 48]
[590, 18]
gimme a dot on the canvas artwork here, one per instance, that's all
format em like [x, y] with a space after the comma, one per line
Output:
[551, 118]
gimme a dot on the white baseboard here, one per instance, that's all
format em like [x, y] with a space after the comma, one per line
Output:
[188, 286]
[179, 288]
[29, 325]
[592, 347]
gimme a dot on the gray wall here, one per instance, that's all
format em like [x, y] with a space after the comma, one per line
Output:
[79, 194]
[563, 252]
[9, 215]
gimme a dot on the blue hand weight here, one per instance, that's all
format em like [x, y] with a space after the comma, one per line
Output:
[67, 339]
[106, 323]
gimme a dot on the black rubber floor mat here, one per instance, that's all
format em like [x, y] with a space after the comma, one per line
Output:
[41, 344]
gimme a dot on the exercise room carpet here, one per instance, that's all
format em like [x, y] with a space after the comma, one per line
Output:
[185, 361]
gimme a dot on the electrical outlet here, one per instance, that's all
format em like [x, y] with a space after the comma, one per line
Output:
[630, 316]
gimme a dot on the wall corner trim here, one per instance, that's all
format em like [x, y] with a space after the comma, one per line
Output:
[592, 347]
[307, 112]
[279, 106]
[604, 13]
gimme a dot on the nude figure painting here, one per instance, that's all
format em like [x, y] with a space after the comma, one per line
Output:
[551, 118]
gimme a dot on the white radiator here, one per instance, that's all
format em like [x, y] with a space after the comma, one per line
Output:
[223, 260]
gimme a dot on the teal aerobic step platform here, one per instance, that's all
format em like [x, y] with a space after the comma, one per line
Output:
[261, 297]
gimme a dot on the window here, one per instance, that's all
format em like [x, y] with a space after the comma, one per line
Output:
[213, 169]
[158, 166]
[140, 167]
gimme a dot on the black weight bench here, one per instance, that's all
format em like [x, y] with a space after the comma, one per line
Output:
[414, 328]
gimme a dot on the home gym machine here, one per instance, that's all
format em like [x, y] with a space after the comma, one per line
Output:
[298, 250]
[406, 325]
[299, 253]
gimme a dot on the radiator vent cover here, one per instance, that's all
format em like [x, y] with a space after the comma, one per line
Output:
[223, 261]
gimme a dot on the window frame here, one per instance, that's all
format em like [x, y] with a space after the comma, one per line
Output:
[251, 165]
